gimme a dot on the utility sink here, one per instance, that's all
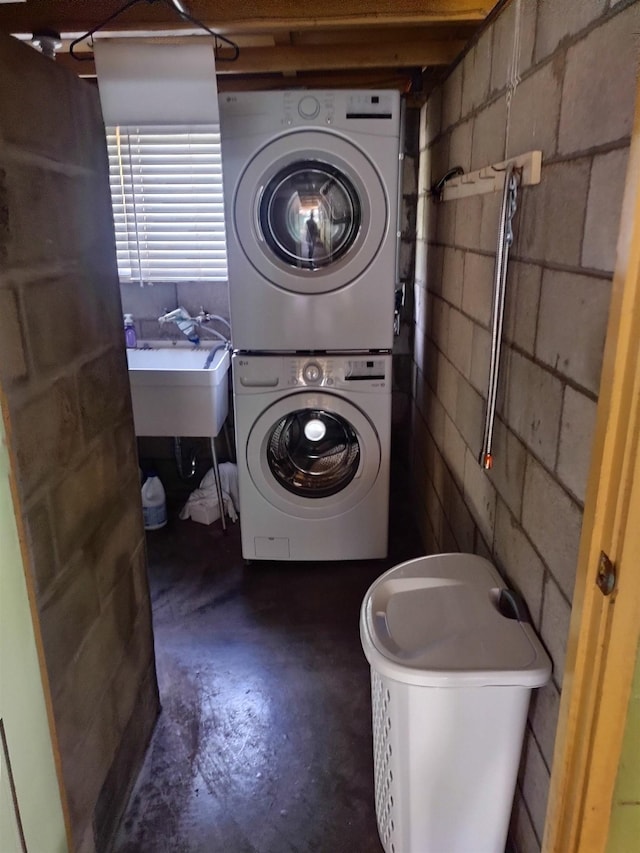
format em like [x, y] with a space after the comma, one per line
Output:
[174, 394]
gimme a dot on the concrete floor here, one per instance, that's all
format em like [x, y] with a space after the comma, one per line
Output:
[264, 741]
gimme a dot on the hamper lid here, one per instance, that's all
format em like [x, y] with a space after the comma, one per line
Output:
[447, 621]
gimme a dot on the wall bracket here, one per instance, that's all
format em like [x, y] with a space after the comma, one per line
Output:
[490, 179]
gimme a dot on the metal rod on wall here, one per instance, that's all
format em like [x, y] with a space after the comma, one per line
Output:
[505, 239]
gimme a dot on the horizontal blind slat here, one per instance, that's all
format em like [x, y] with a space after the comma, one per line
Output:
[168, 207]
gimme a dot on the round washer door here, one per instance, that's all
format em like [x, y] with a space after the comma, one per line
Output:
[310, 212]
[313, 455]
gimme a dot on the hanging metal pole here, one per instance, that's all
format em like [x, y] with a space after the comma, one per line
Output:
[505, 239]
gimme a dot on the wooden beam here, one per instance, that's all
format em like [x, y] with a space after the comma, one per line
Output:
[341, 57]
[287, 58]
[260, 15]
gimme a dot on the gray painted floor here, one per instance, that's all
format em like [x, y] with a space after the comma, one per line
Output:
[264, 741]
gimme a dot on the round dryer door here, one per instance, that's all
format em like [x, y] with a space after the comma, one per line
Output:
[313, 455]
[310, 212]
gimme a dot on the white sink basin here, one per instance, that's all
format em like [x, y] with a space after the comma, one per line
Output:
[173, 394]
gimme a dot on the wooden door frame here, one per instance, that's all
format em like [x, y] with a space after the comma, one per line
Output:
[604, 630]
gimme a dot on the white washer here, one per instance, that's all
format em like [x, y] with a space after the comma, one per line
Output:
[313, 440]
[311, 205]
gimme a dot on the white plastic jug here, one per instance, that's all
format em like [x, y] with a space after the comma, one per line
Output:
[154, 503]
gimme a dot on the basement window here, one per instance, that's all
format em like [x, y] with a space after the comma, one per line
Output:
[168, 209]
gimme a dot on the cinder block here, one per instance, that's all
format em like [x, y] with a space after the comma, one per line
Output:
[102, 411]
[552, 521]
[460, 341]
[535, 111]
[55, 322]
[480, 358]
[66, 617]
[480, 496]
[502, 49]
[532, 407]
[554, 627]
[41, 544]
[489, 135]
[440, 323]
[534, 783]
[110, 547]
[80, 501]
[447, 386]
[543, 718]
[435, 418]
[477, 73]
[34, 94]
[563, 18]
[522, 299]
[460, 526]
[452, 98]
[600, 83]
[576, 439]
[433, 120]
[491, 204]
[604, 206]
[432, 360]
[149, 303]
[45, 434]
[454, 451]
[13, 364]
[509, 465]
[460, 145]
[477, 295]
[434, 269]
[36, 225]
[552, 215]
[469, 418]
[446, 222]
[521, 830]
[87, 680]
[453, 276]
[586, 301]
[468, 221]
[86, 768]
[439, 152]
[518, 560]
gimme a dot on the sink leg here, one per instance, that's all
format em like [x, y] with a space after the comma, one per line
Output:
[216, 475]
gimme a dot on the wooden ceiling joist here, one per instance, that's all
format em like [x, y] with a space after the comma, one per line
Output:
[229, 15]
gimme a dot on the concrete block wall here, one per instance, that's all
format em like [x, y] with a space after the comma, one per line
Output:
[63, 373]
[151, 301]
[574, 99]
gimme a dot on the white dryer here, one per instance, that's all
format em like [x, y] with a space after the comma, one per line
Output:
[313, 441]
[311, 204]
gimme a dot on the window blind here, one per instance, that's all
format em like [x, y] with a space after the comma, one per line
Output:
[166, 191]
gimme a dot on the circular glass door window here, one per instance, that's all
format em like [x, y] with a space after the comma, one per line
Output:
[313, 453]
[309, 214]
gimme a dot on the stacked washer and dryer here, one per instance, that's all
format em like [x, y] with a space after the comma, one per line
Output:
[311, 205]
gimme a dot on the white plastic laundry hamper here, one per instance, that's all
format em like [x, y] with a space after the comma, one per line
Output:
[453, 663]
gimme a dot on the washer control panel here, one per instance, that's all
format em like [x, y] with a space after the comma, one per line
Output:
[262, 373]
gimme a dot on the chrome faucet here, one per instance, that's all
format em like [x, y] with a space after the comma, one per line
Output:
[191, 326]
[184, 321]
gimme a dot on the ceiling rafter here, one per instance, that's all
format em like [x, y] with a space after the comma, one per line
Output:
[280, 42]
